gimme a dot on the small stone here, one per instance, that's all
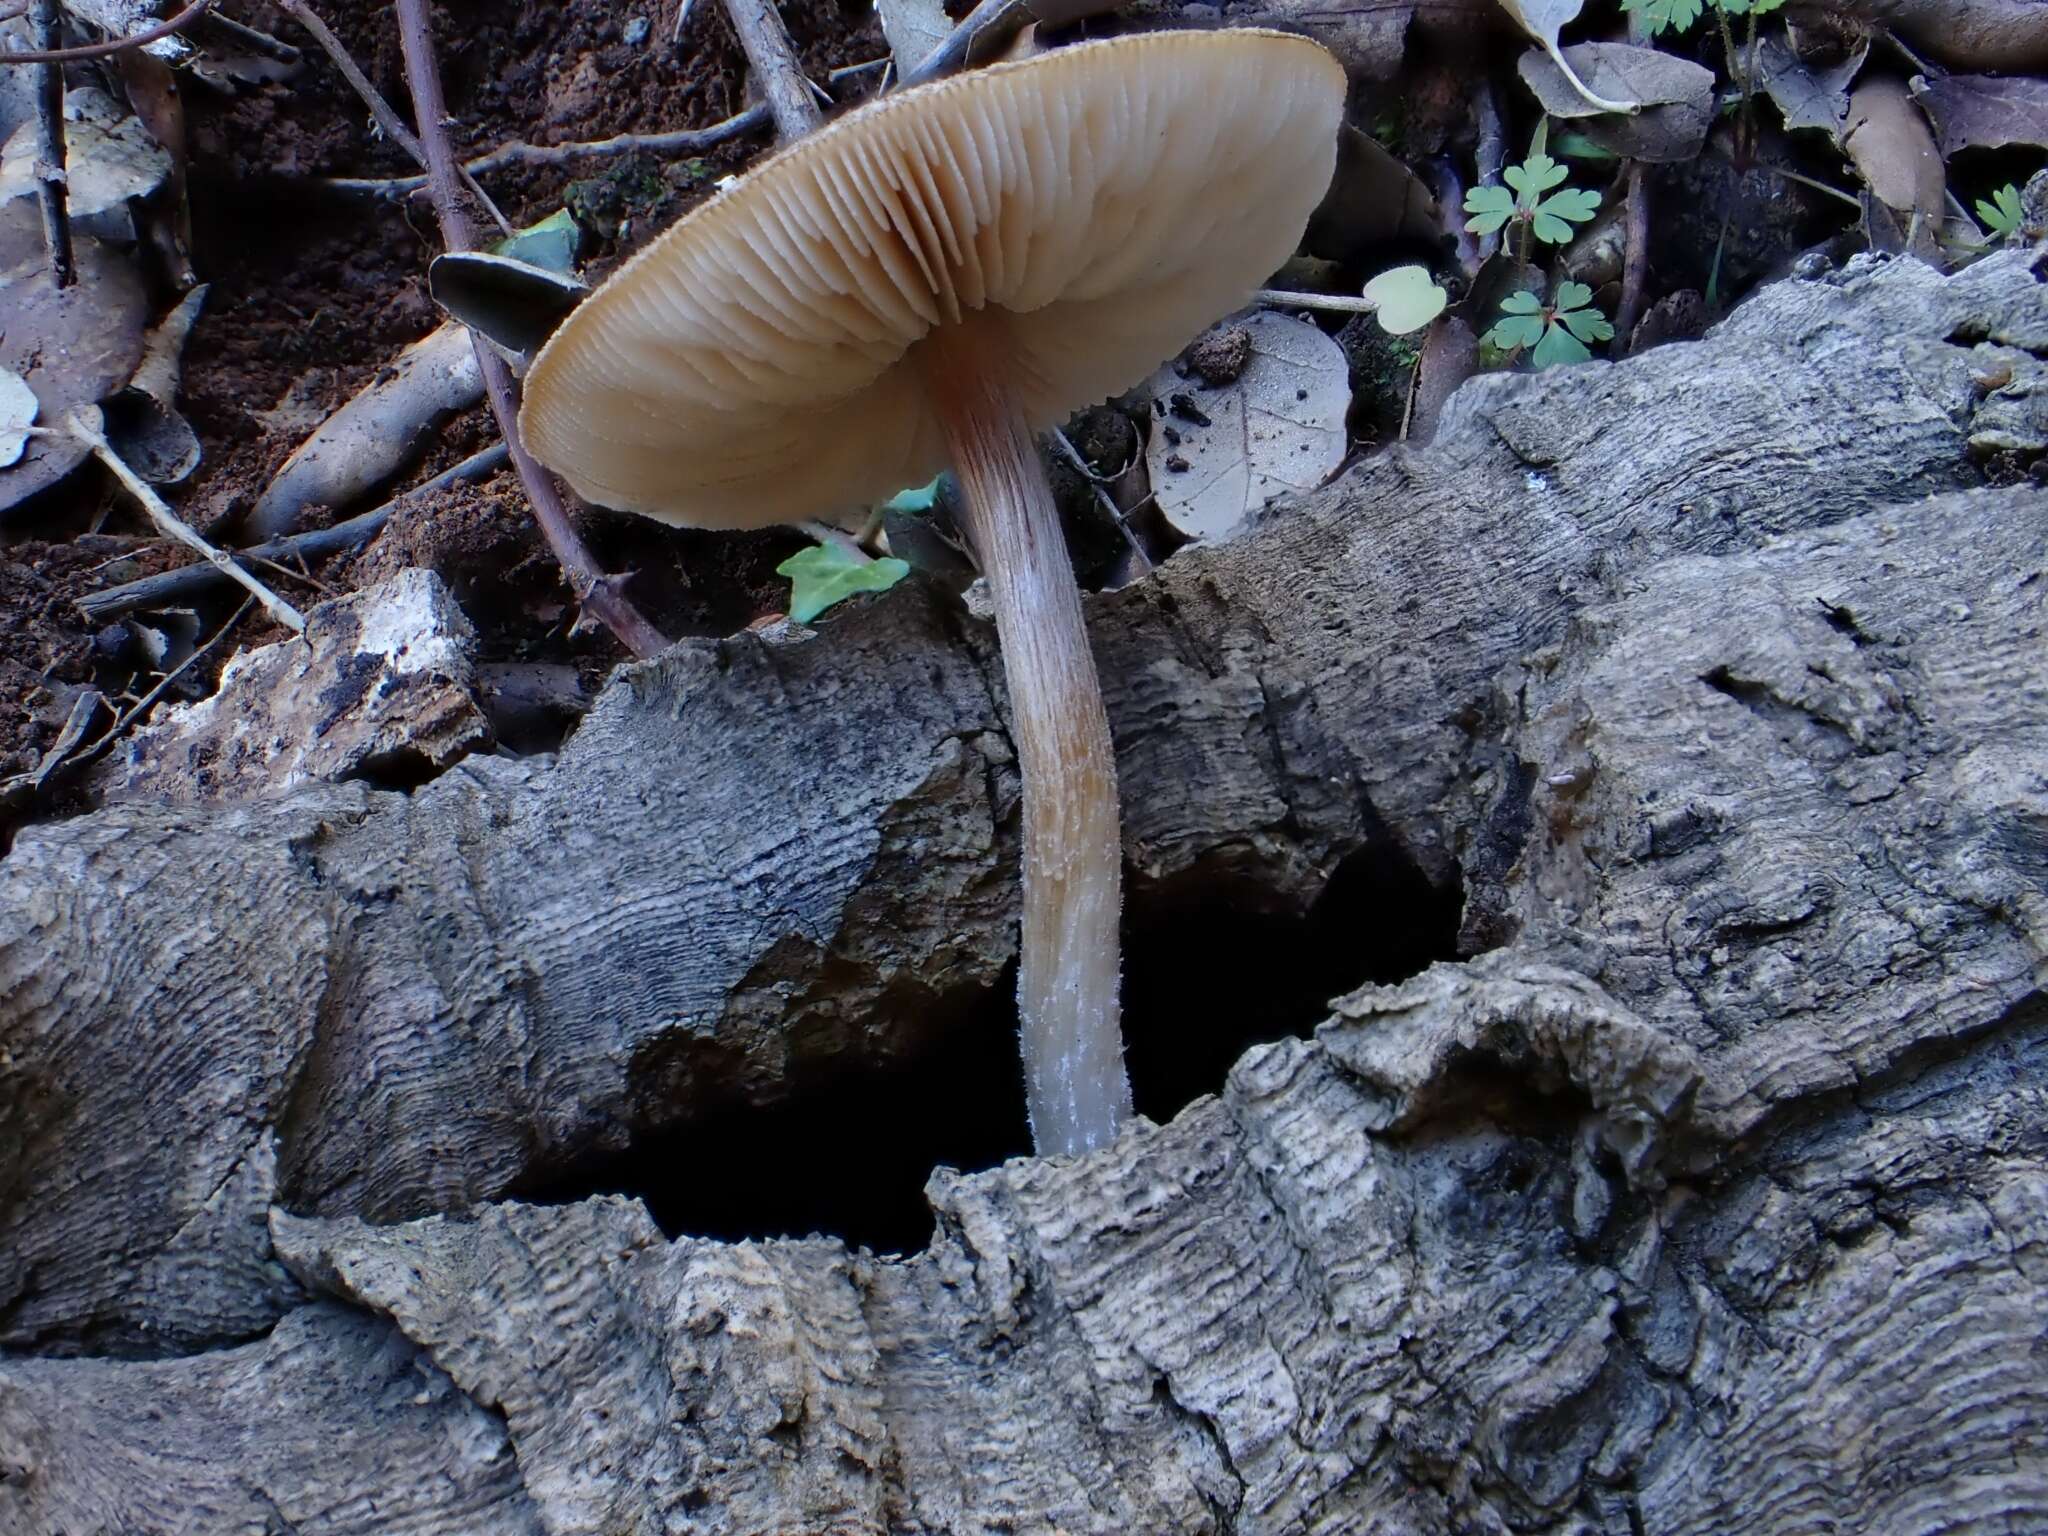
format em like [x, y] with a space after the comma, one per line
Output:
[635, 31]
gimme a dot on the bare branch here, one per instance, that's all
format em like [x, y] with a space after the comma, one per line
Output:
[112, 46]
[772, 59]
[597, 591]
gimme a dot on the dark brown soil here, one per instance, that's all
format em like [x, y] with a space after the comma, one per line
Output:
[313, 290]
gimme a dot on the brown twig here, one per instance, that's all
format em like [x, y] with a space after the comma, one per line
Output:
[85, 425]
[681, 141]
[386, 115]
[112, 46]
[192, 581]
[1635, 264]
[771, 58]
[49, 166]
[993, 22]
[599, 593]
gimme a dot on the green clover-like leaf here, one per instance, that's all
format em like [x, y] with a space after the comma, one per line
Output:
[827, 573]
[1586, 324]
[1522, 302]
[1558, 346]
[1521, 326]
[1659, 14]
[917, 499]
[1576, 204]
[2002, 214]
[1490, 208]
[1533, 177]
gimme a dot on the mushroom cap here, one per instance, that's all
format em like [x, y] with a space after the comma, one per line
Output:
[752, 365]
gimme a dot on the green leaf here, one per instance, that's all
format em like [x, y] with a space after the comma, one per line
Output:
[1576, 204]
[826, 573]
[1558, 346]
[1513, 332]
[2002, 214]
[1533, 177]
[551, 243]
[1659, 14]
[1586, 324]
[917, 499]
[1522, 302]
[1578, 146]
[1408, 299]
[1491, 207]
[1573, 295]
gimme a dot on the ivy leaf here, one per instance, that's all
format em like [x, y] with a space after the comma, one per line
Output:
[917, 499]
[1490, 206]
[826, 573]
[1576, 204]
[2002, 214]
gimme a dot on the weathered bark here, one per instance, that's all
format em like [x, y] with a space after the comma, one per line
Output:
[1547, 652]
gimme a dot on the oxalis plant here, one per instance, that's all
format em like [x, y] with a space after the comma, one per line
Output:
[1557, 332]
[1531, 205]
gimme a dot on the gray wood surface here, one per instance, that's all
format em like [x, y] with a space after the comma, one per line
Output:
[1710, 1195]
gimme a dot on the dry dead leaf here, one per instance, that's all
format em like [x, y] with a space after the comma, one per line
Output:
[1984, 111]
[109, 156]
[1543, 20]
[1369, 40]
[18, 409]
[1893, 149]
[1374, 201]
[1807, 95]
[913, 29]
[73, 345]
[1217, 455]
[1676, 97]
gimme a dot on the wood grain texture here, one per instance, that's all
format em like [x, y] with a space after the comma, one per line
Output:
[763, 857]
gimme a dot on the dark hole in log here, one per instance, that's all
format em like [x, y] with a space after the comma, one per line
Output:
[1204, 979]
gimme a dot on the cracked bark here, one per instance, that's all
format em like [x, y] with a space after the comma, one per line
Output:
[1710, 1197]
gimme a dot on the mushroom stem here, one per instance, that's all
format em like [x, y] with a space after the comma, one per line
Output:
[1075, 1087]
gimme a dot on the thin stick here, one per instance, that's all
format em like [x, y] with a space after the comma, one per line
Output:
[386, 116]
[1635, 264]
[599, 593]
[998, 19]
[1335, 303]
[771, 58]
[681, 141]
[1108, 502]
[190, 581]
[49, 166]
[838, 538]
[108, 49]
[84, 424]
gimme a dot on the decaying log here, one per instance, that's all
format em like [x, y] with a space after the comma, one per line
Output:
[763, 857]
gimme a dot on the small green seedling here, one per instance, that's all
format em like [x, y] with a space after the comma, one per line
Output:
[2001, 215]
[1405, 299]
[1680, 14]
[1558, 332]
[826, 574]
[1549, 218]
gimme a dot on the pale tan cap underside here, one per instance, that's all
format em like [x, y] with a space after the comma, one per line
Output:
[749, 367]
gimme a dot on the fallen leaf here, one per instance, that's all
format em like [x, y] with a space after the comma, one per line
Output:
[1984, 111]
[1369, 40]
[73, 345]
[143, 421]
[17, 414]
[1543, 20]
[1893, 149]
[551, 243]
[1676, 97]
[1218, 455]
[826, 574]
[1374, 200]
[109, 156]
[1408, 298]
[913, 28]
[1806, 95]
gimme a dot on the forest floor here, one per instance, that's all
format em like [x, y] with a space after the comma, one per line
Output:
[316, 286]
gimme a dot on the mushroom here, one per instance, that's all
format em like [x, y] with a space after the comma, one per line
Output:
[932, 280]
